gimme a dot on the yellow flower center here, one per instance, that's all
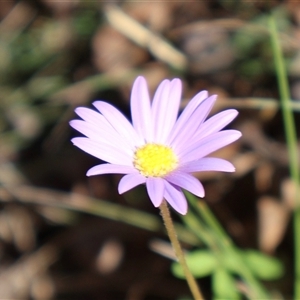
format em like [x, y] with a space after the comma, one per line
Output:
[154, 160]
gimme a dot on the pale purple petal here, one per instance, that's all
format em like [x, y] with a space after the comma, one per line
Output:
[187, 182]
[208, 145]
[186, 113]
[102, 134]
[97, 120]
[185, 136]
[165, 108]
[208, 164]
[118, 122]
[175, 198]
[110, 169]
[155, 189]
[216, 123]
[92, 116]
[141, 110]
[130, 181]
[103, 151]
[94, 119]
[161, 93]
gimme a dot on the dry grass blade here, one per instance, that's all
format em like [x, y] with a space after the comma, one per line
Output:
[33, 195]
[159, 47]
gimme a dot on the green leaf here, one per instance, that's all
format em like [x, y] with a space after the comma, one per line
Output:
[223, 285]
[231, 263]
[201, 263]
[263, 266]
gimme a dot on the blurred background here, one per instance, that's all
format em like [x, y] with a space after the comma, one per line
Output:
[66, 236]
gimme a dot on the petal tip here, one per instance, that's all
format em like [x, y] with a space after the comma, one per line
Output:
[182, 208]
[71, 123]
[140, 78]
[202, 194]
[156, 204]
[88, 173]
[120, 191]
[78, 109]
[182, 211]
[239, 134]
[176, 81]
[73, 140]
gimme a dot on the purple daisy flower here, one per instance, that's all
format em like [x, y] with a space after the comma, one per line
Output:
[157, 149]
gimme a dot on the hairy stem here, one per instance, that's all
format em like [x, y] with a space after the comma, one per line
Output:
[178, 251]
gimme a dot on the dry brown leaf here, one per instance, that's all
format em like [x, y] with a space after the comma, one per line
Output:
[288, 191]
[62, 8]
[20, 16]
[254, 136]
[273, 217]
[17, 228]
[112, 51]
[15, 282]
[42, 287]
[208, 50]
[244, 163]
[157, 15]
[110, 256]
[263, 176]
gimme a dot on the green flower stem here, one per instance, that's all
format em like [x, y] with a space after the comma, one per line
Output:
[291, 137]
[257, 291]
[178, 251]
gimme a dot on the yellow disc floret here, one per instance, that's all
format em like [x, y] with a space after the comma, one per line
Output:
[154, 160]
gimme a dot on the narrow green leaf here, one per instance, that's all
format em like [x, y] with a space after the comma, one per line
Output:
[263, 266]
[224, 286]
[201, 263]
